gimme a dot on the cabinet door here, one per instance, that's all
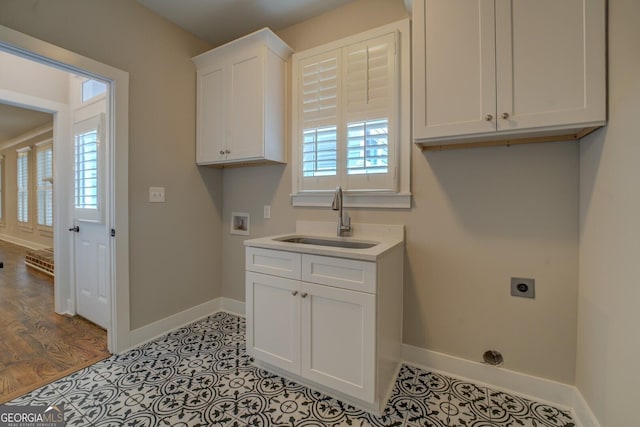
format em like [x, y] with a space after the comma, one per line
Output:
[338, 339]
[246, 131]
[273, 320]
[549, 62]
[454, 67]
[211, 117]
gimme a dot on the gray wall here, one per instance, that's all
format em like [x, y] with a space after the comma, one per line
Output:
[607, 371]
[479, 216]
[175, 246]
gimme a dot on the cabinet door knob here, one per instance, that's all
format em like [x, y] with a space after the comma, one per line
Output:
[294, 293]
[488, 117]
[303, 295]
[221, 151]
[227, 151]
[505, 116]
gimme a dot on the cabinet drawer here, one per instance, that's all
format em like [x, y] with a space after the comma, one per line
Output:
[341, 273]
[275, 263]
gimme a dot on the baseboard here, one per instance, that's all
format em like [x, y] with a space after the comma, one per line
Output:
[22, 242]
[537, 388]
[161, 327]
[583, 412]
[232, 306]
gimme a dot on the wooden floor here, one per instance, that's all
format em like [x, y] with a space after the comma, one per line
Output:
[38, 346]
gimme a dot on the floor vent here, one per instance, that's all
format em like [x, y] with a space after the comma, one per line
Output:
[40, 260]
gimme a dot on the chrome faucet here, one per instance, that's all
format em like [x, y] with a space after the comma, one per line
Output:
[344, 221]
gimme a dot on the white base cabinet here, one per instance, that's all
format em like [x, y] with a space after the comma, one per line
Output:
[341, 334]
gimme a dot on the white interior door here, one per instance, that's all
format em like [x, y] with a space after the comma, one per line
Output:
[90, 226]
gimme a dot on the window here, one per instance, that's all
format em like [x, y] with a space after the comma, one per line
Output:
[92, 88]
[86, 171]
[44, 183]
[87, 168]
[23, 185]
[351, 120]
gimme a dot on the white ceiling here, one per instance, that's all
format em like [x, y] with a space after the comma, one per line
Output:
[220, 21]
[15, 121]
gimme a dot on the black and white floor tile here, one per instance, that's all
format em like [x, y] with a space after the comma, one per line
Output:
[200, 375]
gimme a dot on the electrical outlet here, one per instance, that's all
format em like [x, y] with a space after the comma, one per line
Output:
[521, 287]
[267, 212]
[156, 194]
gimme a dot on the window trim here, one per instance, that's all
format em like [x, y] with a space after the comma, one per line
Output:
[41, 146]
[362, 198]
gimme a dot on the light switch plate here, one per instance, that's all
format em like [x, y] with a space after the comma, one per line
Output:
[156, 194]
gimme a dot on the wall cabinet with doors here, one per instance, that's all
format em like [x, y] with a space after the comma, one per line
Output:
[507, 70]
[241, 101]
[331, 323]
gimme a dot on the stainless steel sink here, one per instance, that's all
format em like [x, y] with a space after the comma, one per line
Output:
[320, 241]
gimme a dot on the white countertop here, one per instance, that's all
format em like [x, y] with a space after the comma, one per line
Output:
[388, 236]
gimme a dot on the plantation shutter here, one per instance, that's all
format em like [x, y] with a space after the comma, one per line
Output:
[370, 81]
[318, 112]
[88, 197]
[23, 185]
[44, 181]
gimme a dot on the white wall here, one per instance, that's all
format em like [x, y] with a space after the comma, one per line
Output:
[28, 78]
[608, 368]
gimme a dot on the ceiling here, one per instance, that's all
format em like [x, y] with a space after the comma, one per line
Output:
[220, 21]
[15, 121]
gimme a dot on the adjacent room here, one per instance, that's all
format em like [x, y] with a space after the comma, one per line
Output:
[327, 212]
[39, 345]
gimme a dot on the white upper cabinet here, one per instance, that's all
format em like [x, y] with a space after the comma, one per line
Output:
[507, 70]
[241, 89]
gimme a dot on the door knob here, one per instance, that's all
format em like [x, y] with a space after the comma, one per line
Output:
[505, 116]
[294, 293]
[488, 117]
[303, 295]
[75, 229]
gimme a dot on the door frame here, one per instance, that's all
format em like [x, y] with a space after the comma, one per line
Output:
[14, 42]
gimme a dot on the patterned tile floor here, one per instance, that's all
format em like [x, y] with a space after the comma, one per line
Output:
[200, 375]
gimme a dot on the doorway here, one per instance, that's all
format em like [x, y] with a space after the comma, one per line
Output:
[115, 206]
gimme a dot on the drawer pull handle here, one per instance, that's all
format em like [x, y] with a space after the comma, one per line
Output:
[303, 295]
[294, 293]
